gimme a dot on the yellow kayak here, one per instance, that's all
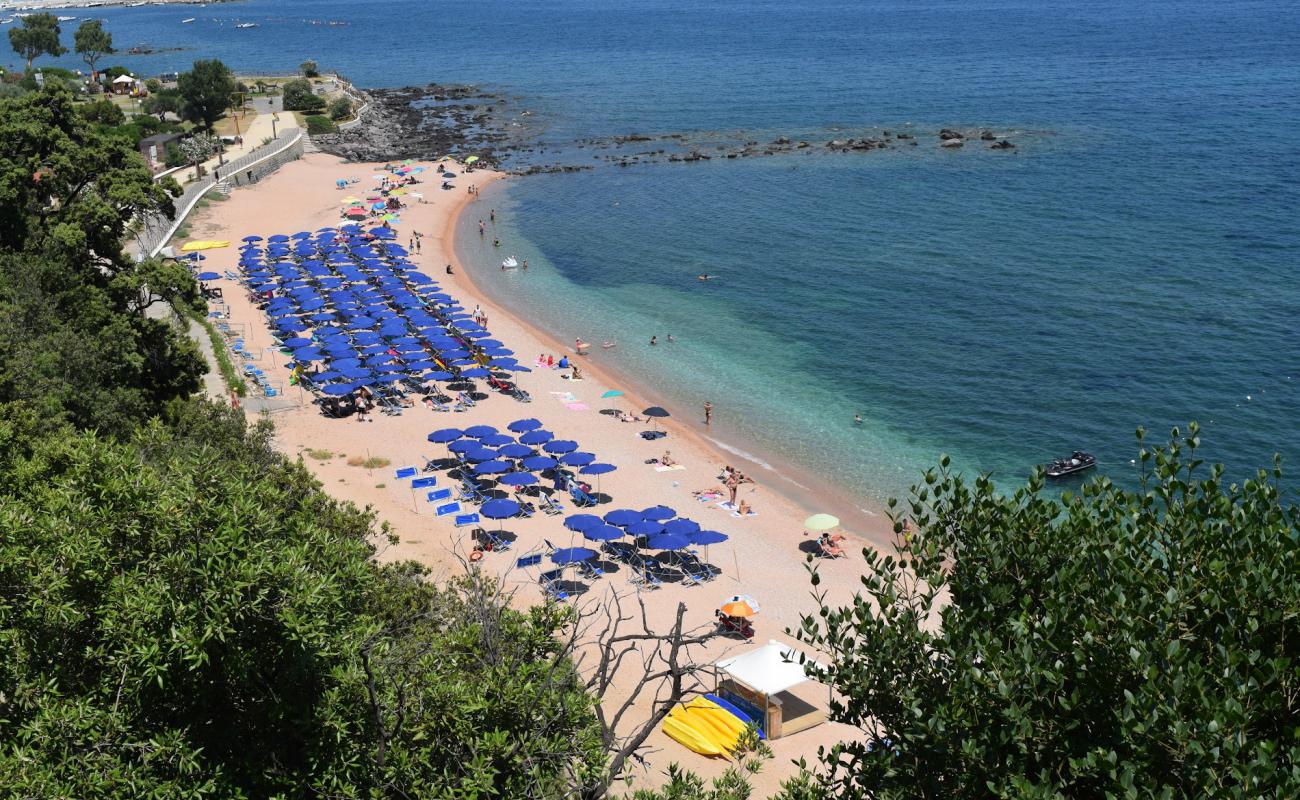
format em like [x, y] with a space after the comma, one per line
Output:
[704, 727]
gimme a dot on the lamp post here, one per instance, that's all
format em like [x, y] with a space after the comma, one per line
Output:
[274, 119]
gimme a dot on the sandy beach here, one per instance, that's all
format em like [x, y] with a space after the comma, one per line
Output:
[765, 556]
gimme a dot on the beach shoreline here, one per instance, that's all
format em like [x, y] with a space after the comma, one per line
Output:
[798, 485]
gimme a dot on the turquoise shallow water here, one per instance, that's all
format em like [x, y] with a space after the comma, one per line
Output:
[1133, 262]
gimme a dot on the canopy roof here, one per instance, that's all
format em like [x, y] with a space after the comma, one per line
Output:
[124, 79]
[771, 669]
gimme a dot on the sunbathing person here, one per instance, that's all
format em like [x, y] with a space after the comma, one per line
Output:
[666, 460]
[828, 546]
[710, 493]
[745, 509]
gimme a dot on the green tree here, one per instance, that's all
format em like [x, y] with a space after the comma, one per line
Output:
[160, 103]
[75, 343]
[38, 36]
[340, 108]
[103, 112]
[1110, 644]
[187, 613]
[299, 96]
[205, 92]
[92, 43]
[309, 69]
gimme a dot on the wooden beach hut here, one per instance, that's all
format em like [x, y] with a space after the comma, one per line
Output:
[763, 684]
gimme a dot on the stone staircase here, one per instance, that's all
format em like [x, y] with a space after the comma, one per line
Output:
[308, 146]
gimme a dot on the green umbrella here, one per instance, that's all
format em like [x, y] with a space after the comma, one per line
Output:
[821, 522]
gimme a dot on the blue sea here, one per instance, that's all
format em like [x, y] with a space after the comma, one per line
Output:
[1133, 262]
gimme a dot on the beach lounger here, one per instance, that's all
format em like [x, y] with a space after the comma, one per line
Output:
[580, 498]
[643, 575]
[521, 395]
[495, 541]
[445, 510]
[589, 570]
[466, 519]
[550, 582]
[550, 505]
[466, 400]
[438, 495]
[525, 562]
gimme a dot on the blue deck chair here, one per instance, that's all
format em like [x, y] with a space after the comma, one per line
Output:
[466, 519]
[550, 582]
[580, 498]
[449, 508]
[529, 561]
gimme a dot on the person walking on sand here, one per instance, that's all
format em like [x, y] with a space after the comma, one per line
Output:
[708, 413]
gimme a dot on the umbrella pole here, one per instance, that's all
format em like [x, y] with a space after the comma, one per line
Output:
[736, 562]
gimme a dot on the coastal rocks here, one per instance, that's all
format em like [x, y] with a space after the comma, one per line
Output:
[948, 134]
[951, 143]
[987, 136]
[1002, 145]
[426, 122]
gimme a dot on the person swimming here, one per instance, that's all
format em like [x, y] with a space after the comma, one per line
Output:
[705, 277]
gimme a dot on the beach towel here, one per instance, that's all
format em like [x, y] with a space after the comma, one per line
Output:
[725, 505]
[750, 514]
[576, 406]
[673, 468]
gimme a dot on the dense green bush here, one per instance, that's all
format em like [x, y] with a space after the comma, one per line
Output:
[317, 124]
[1112, 644]
[299, 96]
[340, 108]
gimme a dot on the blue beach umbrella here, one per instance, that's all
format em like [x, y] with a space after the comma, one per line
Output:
[339, 389]
[517, 479]
[524, 425]
[493, 467]
[623, 516]
[559, 446]
[476, 372]
[681, 527]
[497, 439]
[479, 431]
[577, 459]
[645, 527]
[572, 555]
[706, 538]
[536, 437]
[464, 446]
[668, 541]
[296, 341]
[481, 455]
[602, 533]
[445, 435]
[499, 509]
[209, 276]
[581, 522]
[658, 513]
[539, 462]
[515, 450]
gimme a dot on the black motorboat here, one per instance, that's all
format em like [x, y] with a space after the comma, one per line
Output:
[1077, 462]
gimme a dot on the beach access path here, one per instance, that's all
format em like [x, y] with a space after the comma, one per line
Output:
[766, 556]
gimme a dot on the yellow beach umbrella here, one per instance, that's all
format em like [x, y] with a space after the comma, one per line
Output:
[821, 522]
[195, 246]
[739, 605]
[398, 192]
[350, 199]
[471, 159]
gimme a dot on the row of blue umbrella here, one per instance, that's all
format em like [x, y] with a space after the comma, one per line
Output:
[356, 323]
